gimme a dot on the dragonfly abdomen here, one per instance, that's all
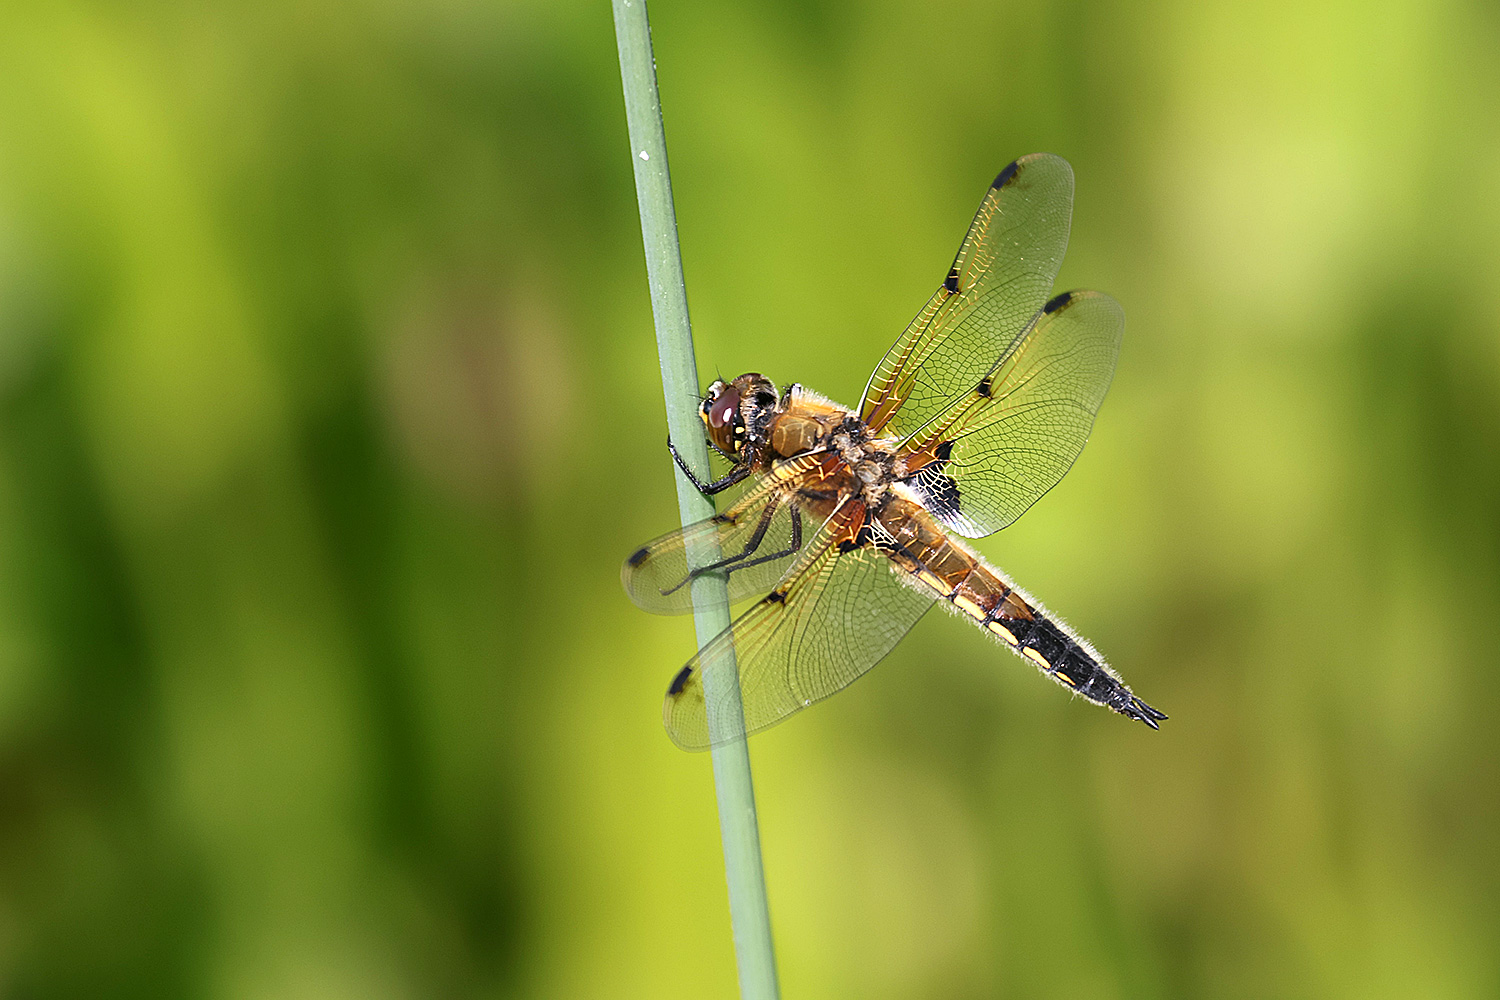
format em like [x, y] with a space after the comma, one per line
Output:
[982, 594]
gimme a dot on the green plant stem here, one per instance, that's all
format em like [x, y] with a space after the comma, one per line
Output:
[748, 912]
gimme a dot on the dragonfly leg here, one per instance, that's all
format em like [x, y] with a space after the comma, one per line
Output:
[736, 562]
[793, 547]
[737, 474]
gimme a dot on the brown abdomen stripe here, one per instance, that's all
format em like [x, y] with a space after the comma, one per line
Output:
[984, 597]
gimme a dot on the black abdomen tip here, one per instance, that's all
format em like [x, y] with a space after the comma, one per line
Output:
[1139, 710]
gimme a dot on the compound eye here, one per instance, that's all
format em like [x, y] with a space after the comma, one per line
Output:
[724, 410]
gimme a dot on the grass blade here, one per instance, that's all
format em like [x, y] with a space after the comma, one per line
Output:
[748, 912]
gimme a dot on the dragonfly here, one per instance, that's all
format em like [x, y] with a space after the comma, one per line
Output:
[847, 526]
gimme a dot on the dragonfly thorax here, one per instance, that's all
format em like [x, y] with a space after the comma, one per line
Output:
[807, 424]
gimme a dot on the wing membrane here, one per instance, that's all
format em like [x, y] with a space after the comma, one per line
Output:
[1000, 279]
[841, 613]
[655, 575]
[1001, 446]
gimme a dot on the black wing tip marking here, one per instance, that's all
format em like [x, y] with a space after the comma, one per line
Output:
[637, 557]
[1007, 175]
[1139, 710]
[679, 682]
[1057, 302]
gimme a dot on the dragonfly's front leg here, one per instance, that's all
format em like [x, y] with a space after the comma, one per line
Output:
[736, 474]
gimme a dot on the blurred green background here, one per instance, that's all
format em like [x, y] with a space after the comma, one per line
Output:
[329, 405]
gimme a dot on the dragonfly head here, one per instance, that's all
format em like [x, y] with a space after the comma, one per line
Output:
[737, 412]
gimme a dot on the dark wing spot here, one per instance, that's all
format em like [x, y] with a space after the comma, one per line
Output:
[679, 682]
[1007, 175]
[776, 597]
[637, 557]
[984, 386]
[1057, 302]
[937, 491]
[722, 519]
[951, 282]
[863, 538]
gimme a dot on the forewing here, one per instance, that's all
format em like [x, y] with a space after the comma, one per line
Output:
[839, 613]
[1019, 428]
[655, 575]
[1000, 279]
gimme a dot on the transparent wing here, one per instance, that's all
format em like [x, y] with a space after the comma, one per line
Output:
[1002, 275]
[836, 616]
[763, 531]
[1017, 431]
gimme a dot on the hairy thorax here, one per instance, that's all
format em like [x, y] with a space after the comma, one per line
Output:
[870, 460]
[858, 462]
